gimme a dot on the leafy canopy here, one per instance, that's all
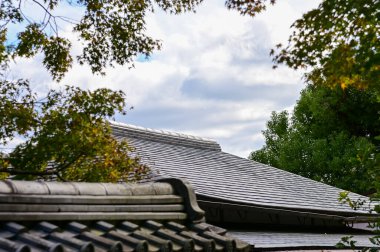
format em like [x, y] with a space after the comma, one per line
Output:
[66, 135]
[111, 31]
[338, 43]
[331, 137]
[338, 46]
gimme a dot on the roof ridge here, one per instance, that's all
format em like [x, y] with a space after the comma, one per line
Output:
[129, 130]
[80, 195]
[54, 188]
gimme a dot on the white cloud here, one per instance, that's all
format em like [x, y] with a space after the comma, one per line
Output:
[213, 77]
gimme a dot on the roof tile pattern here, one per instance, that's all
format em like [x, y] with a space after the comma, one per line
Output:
[65, 217]
[121, 236]
[223, 176]
[270, 240]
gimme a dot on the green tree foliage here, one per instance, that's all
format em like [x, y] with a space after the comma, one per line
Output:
[331, 137]
[66, 135]
[338, 42]
[338, 45]
[111, 31]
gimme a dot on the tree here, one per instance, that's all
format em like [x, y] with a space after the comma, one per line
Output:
[331, 137]
[338, 45]
[66, 135]
[111, 31]
[338, 42]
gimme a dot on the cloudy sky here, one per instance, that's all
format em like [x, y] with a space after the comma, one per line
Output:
[212, 78]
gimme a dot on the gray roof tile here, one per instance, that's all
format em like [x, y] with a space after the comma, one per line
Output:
[223, 176]
[65, 217]
[164, 136]
[298, 240]
[107, 236]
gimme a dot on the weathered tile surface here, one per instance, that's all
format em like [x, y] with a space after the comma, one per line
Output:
[120, 236]
[219, 175]
[65, 217]
[298, 240]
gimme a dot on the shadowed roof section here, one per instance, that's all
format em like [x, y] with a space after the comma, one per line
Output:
[215, 174]
[65, 217]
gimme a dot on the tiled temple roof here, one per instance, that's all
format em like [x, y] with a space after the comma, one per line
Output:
[62, 216]
[220, 176]
[272, 209]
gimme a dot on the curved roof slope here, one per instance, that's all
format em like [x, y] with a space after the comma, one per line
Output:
[216, 174]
